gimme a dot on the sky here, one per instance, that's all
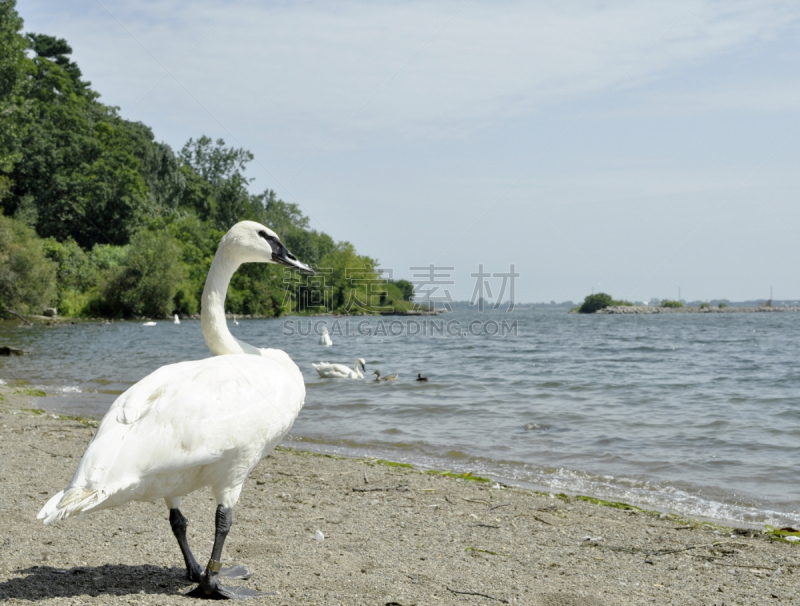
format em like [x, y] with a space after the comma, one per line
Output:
[647, 150]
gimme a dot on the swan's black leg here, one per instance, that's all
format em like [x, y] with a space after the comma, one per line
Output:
[179, 524]
[193, 570]
[208, 585]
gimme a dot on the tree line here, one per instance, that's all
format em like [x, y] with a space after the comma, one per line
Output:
[101, 220]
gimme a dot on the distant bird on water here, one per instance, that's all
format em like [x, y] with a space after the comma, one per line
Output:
[196, 424]
[149, 324]
[379, 378]
[324, 338]
[327, 370]
[421, 378]
[176, 320]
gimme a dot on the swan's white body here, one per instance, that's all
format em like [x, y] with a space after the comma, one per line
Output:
[327, 370]
[192, 424]
[324, 338]
[149, 324]
[176, 319]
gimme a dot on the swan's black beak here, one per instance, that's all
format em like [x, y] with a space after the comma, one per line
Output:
[282, 256]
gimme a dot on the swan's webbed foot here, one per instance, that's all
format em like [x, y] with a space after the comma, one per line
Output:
[235, 573]
[226, 593]
[231, 573]
[208, 585]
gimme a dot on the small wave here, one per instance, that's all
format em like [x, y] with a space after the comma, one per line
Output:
[70, 389]
[534, 427]
[643, 493]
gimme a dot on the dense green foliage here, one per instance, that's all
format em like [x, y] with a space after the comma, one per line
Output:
[101, 219]
[27, 277]
[594, 303]
[671, 303]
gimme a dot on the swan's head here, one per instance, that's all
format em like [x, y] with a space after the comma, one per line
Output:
[324, 330]
[363, 364]
[251, 242]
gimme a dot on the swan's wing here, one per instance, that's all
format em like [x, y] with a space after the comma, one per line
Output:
[187, 415]
[333, 371]
[321, 368]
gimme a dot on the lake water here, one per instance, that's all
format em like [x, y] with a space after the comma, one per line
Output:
[699, 415]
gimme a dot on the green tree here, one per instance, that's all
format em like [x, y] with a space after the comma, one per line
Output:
[15, 69]
[348, 278]
[288, 221]
[27, 277]
[87, 180]
[407, 288]
[82, 164]
[76, 274]
[225, 199]
[594, 303]
[146, 282]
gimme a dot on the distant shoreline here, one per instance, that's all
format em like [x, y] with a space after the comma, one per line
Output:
[652, 309]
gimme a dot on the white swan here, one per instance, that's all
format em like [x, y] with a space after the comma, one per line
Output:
[327, 370]
[324, 338]
[195, 424]
[235, 323]
[149, 324]
[176, 320]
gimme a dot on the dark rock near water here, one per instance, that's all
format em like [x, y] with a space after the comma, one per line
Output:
[11, 351]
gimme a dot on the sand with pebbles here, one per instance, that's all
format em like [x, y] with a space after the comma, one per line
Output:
[392, 535]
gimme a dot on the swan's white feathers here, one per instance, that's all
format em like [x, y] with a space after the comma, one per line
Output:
[193, 424]
[326, 370]
[186, 425]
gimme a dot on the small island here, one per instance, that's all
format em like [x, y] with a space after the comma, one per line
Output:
[602, 303]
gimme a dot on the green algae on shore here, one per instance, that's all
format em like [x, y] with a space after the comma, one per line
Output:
[786, 534]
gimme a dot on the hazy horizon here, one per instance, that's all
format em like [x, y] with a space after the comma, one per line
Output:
[625, 147]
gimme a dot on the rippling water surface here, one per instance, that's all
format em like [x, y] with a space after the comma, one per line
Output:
[694, 414]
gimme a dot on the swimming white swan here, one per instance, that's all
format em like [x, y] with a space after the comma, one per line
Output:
[176, 320]
[235, 323]
[324, 338]
[327, 370]
[195, 424]
[149, 324]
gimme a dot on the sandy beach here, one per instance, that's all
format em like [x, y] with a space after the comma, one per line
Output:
[392, 535]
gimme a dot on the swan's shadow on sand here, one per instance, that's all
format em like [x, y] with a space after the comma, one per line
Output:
[44, 582]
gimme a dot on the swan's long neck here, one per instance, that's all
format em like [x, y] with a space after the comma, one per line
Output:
[358, 370]
[212, 314]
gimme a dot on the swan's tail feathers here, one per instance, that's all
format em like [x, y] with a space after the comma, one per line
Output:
[73, 501]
